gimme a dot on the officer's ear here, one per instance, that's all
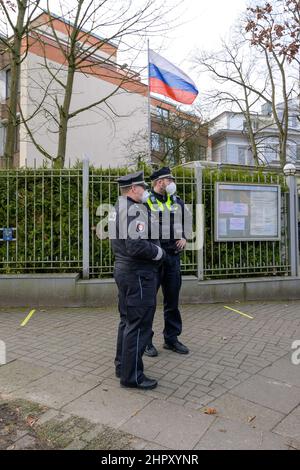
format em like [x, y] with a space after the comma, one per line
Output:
[157, 183]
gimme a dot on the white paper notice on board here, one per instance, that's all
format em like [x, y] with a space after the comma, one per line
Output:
[240, 208]
[237, 223]
[226, 207]
[263, 214]
[222, 227]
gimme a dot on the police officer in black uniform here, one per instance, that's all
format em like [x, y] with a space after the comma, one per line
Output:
[137, 260]
[163, 201]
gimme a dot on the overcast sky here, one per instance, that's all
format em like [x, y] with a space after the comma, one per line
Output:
[205, 23]
[201, 25]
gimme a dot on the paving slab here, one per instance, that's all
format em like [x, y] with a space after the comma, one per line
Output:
[244, 411]
[169, 425]
[108, 405]
[290, 426]
[17, 374]
[65, 359]
[226, 434]
[55, 389]
[283, 370]
[272, 393]
[154, 446]
[296, 411]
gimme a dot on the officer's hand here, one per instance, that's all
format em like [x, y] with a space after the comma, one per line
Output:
[180, 244]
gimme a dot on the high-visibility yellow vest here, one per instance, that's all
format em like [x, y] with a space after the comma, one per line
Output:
[158, 206]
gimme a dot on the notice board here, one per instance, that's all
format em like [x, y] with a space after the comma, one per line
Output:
[246, 211]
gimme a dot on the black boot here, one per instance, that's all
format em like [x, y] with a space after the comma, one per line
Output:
[151, 351]
[177, 347]
[146, 384]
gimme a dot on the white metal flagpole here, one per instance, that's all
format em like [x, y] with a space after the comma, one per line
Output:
[149, 107]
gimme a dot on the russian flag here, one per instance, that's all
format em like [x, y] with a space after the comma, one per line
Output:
[168, 80]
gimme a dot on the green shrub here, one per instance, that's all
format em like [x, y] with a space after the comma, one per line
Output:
[46, 205]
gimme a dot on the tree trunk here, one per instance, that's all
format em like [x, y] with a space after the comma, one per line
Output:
[12, 105]
[64, 119]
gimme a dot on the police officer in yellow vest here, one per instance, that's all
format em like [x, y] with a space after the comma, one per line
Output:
[164, 204]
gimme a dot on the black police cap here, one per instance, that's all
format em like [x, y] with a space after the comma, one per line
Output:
[163, 172]
[133, 178]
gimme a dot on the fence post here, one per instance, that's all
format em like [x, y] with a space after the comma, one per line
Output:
[199, 219]
[290, 172]
[85, 219]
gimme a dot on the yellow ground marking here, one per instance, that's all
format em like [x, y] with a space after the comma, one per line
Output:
[237, 311]
[28, 317]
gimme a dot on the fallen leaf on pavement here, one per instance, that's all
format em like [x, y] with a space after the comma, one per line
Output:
[251, 418]
[31, 420]
[210, 411]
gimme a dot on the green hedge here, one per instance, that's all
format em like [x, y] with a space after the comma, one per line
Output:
[47, 205]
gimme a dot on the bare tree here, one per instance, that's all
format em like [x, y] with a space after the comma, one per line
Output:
[82, 51]
[238, 89]
[177, 137]
[275, 26]
[16, 17]
[274, 29]
[246, 78]
[183, 138]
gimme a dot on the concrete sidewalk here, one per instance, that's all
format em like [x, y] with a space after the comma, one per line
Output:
[63, 358]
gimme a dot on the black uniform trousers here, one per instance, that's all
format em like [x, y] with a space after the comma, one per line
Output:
[170, 282]
[137, 303]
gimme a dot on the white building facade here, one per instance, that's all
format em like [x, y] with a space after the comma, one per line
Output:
[230, 142]
[108, 133]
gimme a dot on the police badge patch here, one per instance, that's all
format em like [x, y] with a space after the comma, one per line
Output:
[140, 226]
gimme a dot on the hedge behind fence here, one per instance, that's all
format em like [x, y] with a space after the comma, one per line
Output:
[45, 206]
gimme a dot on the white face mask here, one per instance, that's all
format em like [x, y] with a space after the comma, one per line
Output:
[171, 188]
[145, 196]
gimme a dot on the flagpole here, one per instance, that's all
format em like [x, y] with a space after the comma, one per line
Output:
[149, 106]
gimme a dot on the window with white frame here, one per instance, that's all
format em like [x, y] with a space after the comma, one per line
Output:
[169, 148]
[293, 121]
[219, 154]
[169, 145]
[162, 113]
[270, 152]
[222, 154]
[243, 155]
[155, 142]
[254, 125]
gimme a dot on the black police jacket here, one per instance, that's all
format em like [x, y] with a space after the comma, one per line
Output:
[175, 233]
[129, 231]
